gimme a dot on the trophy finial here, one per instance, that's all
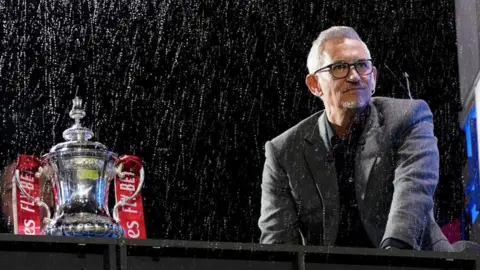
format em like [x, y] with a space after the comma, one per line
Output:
[77, 111]
[77, 102]
[77, 132]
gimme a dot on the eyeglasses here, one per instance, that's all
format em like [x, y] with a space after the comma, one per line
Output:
[341, 70]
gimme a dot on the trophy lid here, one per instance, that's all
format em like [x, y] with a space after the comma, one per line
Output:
[77, 136]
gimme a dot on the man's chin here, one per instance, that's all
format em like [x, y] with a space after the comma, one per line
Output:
[355, 105]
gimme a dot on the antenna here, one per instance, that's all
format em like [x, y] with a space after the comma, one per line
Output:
[400, 83]
[405, 75]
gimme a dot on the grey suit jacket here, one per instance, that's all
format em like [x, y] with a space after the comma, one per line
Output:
[396, 173]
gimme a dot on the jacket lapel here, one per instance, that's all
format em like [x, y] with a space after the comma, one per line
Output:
[367, 152]
[322, 168]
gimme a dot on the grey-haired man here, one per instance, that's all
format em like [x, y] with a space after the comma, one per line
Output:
[362, 172]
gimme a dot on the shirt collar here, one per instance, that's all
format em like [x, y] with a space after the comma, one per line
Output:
[357, 125]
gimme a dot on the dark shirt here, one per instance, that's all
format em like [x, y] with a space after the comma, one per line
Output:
[351, 232]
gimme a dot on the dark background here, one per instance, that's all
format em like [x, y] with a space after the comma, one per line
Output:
[210, 82]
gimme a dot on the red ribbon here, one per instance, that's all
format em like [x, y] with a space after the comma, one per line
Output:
[131, 214]
[26, 213]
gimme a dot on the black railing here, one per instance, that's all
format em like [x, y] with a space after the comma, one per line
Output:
[46, 252]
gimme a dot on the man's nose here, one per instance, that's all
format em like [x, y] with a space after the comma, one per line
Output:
[353, 75]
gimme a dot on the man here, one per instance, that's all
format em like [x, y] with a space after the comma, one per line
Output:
[360, 173]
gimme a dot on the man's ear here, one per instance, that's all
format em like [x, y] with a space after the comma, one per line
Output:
[374, 77]
[312, 85]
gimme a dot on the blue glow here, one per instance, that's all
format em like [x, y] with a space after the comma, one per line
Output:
[472, 188]
[468, 132]
[468, 137]
[100, 192]
[469, 188]
[472, 208]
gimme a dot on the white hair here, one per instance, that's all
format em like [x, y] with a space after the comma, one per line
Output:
[315, 56]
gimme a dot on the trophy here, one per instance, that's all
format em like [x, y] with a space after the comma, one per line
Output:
[80, 172]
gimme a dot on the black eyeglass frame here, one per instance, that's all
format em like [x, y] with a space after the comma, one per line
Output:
[349, 68]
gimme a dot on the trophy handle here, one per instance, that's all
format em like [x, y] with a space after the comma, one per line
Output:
[123, 201]
[37, 200]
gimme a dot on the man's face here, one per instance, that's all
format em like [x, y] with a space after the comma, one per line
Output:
[351, 92]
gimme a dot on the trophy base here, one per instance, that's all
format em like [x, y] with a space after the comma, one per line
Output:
[85, 224]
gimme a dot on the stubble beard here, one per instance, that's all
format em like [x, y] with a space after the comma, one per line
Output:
[356, 105]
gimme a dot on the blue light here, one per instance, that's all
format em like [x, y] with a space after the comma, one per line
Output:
[468, 132]
[472, 190]
[100, 192]
[472, 207]
[468, 137]
[469, 188]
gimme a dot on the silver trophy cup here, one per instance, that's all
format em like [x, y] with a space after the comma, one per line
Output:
[80, 173]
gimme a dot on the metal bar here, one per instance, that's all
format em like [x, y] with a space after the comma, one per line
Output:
[299, 262]
[121, 255]
[110, 258]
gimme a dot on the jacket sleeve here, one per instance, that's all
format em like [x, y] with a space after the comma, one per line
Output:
[416, 177]
[278, 215]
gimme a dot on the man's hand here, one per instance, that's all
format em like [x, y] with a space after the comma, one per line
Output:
[392, 243]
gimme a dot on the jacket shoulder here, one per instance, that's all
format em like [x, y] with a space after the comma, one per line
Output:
[401, 109]
[297, 132]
